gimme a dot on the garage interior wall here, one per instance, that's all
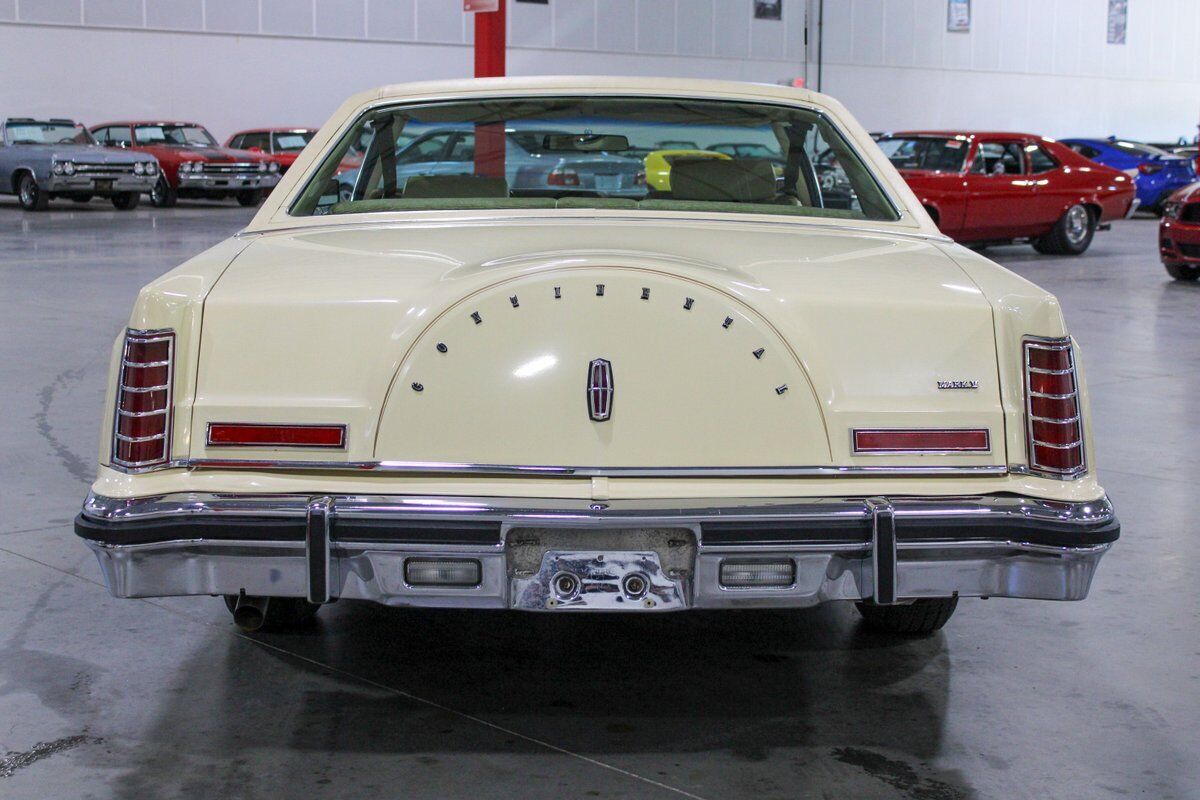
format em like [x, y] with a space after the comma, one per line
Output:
[1040, 65]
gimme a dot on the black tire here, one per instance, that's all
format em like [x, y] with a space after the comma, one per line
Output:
[283, 613]
[249, 197]
[1071, 235]
[919, 618]
[1182, 272]
[82, 198]
[126, 201]
[163, 194]
[30, 195]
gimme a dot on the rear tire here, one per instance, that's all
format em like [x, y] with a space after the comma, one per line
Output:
[126, 201]
[919, 618]
[1182, 272]
[283, 613]
[249, 197]
[162, 195]
[31, 196]
[1071, 235]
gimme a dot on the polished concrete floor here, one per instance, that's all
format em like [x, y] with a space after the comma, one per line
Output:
[105, 698]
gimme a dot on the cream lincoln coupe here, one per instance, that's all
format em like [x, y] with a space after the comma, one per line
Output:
[454, 384]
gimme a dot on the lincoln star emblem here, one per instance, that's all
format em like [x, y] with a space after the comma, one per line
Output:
[600, 389]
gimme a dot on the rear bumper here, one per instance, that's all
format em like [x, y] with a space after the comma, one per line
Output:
[879, 549]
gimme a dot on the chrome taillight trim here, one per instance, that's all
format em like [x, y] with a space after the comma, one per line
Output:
[144, 336]
[1028, 344]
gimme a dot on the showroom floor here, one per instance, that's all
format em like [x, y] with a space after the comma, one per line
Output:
[127, 699]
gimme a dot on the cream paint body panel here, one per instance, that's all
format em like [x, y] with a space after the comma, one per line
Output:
[859, 328]
[328, 319]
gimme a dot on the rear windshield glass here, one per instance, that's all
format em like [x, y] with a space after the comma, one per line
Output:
[666, 154]
[925, 152]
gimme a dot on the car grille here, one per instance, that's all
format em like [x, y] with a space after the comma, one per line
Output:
[103, 169]
[1188, 250]
[226, 168]
[1190, 213]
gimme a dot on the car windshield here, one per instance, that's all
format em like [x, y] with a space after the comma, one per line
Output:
[53, 132]
[174, 135]
[936, 154]
[580, 152]
[291, 141]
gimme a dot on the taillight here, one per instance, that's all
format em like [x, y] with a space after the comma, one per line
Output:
[1054, 425]
[563, 177]
[142, 423]
[1149, 167]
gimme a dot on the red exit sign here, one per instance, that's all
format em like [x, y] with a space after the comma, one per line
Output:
[480, 6]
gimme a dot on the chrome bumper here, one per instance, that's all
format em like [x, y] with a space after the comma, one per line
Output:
[878, 549]
[87, 183]
[232, 181]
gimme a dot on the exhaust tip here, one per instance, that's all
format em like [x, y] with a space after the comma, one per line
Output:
[250, 613]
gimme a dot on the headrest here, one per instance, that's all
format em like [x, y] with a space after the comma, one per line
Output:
[737, 180]
[455, 186]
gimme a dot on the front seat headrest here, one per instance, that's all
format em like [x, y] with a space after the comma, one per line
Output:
[736, 180]
[454, 186]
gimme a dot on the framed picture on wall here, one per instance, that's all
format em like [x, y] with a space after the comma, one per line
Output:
[958, 16]
[1118, 17]
[768, 9]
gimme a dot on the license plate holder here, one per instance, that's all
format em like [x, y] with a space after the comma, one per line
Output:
[104, 184]
[594, 580]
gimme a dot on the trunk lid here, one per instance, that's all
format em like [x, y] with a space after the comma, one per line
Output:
[730, 344]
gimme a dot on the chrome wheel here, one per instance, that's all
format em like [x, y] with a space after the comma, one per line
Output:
[158, 192]
[1078, 223]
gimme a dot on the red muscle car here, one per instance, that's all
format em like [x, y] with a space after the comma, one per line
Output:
[280, 145]
[997, 188]
[193, 164]
[1179, 234]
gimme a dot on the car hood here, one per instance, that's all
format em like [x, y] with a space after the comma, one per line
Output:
[217, 154]
[730, 344]
[91, 153]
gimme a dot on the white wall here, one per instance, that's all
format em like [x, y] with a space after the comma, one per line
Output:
[1039, 65]
[231, 64]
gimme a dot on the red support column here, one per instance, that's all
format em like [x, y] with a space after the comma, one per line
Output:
[490, 41]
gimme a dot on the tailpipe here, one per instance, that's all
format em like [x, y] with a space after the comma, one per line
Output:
[250, 612]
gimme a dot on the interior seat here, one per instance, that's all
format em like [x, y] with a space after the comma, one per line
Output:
[739, 180]
[454, 186]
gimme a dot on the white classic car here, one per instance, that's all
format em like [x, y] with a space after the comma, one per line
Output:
[735, 393]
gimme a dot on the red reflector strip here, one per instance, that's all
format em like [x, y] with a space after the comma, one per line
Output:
[923, 440]
[221, 434]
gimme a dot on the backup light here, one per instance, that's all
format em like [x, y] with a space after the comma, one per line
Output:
[749, 574]
[1053, 427]
[142, 422]
[442, 572]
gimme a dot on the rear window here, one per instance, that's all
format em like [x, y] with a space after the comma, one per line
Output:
[934, 154]
[1138, 149]
[668, 154]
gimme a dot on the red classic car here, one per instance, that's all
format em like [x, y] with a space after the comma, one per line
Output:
[994, 188]
[193, 164]
[281, 145]
[1179, 234]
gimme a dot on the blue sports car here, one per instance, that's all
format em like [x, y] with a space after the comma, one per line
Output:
[1156, 173]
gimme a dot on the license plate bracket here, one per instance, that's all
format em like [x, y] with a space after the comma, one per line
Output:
[104, 184]
[592, 580]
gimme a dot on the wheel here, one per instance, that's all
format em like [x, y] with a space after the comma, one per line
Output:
[82, 198]
[162, 195]
[249, 197]
[1071, 235]
[126, 201]
[282, 613]
[919, 618]
[1182, 272]
[30, 195]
